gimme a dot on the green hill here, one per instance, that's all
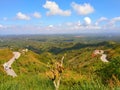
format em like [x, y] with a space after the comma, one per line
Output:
[81, 70]
[5, 55]
[29, 63]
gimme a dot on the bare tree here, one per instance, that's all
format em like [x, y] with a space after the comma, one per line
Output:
[55, 73]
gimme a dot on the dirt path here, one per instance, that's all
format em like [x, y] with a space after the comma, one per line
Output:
[7, 65]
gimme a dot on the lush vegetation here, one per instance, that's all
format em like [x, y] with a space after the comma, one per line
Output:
[81, 70]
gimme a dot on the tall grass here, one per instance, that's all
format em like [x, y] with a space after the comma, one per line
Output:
[40, 82]
[32, 82]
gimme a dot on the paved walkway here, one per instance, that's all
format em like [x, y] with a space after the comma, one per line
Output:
[7, 65]
[103, 56]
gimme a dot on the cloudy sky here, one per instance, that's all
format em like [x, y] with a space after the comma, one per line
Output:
[59, 16]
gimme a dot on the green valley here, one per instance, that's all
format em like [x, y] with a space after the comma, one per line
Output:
[81, 69]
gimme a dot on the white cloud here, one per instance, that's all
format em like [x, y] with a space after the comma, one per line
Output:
[114, 20]
[50, 26]
[84, 9]
[87, 20]
[80, 26]
[54, 9]
[1, 26]
[37, 15]
[112, 23]
[79, 23]
[108, 23]
[5, 18]
[69, 23]
[22, 16]
[102, 19]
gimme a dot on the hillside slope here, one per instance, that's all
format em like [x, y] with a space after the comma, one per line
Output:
[5, 55]
[81, 70]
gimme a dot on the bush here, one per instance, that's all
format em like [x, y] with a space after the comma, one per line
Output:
[110, 72]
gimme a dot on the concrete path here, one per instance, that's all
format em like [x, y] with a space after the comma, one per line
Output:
[103, 56]
[7, 65]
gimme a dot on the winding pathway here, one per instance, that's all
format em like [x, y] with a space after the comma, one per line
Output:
[103, 57]
[7, 65]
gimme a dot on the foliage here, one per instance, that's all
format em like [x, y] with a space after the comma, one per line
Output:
[111, 72]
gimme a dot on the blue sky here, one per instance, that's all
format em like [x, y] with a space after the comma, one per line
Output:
[59, 16]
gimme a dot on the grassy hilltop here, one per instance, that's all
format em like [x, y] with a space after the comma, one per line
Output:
[81, 70]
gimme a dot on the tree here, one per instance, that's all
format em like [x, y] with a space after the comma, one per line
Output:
[55, 73]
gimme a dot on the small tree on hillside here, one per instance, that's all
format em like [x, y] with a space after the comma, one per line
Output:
[55, 73]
